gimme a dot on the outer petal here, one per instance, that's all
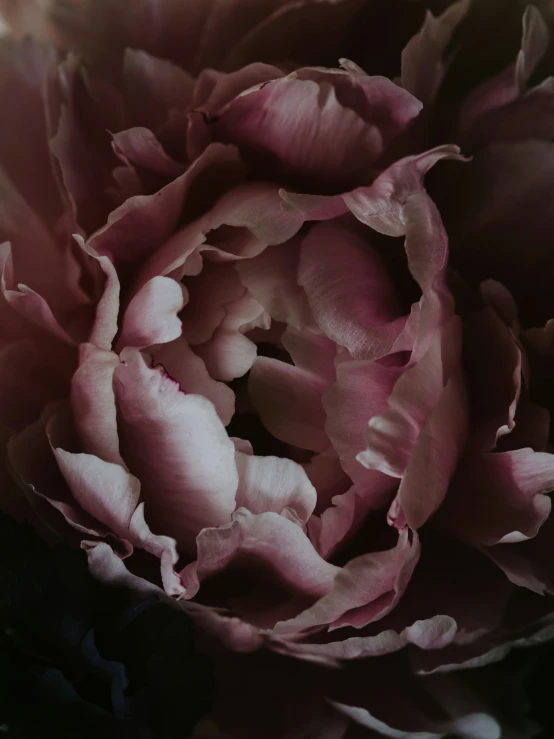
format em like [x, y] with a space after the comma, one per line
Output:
[273, 484]
[422, 59]
[178, 448]
[364, 590]
[143, 222]
[500, 497]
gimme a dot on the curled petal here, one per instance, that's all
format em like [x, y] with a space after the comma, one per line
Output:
[364, 590]
[500, 497]
[272, 484]
[177, 446]
[152, 315]
[228, 355]
[273, 541]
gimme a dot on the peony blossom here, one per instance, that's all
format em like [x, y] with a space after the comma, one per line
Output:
[276, 338]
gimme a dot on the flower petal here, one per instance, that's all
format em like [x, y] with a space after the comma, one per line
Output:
[272, 484]
[178, 447]
[152, 315]
[500, 497]
[348, 289]
[364, 590]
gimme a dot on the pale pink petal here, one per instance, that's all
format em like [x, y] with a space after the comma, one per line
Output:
[190, 371]
[152, 315]
[500, 497]
[288, 400]
[111, 495]
[364, 590]
[347, 287]
[272, 484]
[423, 65]
[227, 355]
[252, 211]
[178, 447]
[93, 403]
[436, 632]
[272, 278]
[271, 540]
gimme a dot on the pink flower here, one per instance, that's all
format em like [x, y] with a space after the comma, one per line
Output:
[241, 362]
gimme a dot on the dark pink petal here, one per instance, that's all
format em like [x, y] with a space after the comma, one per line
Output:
[152, 315]
[189, 370]
[303, 28]
[27, 384]
[423, 65]
[154, 87]
[348, 289]
[34, 308]
[270, 540]
[215, 89]
[140, 147]
[271, 277]
[391, 436]
[434, 457]
[302, 126]
[93, 403]
[327, 476]
[273, 484]
[364, 590]
[493, 364]
[25, 70]
[500, 497]
[143, 222]
[359, 394]
[111, 495]
[288, 400]
[481, 117]
[178, 447]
